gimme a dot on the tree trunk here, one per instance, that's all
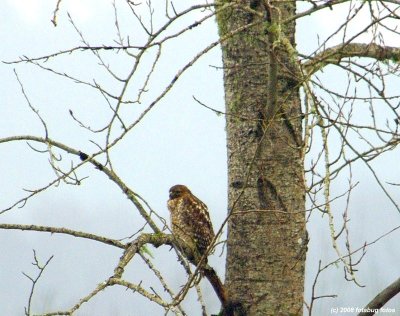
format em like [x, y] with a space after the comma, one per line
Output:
[266, 229]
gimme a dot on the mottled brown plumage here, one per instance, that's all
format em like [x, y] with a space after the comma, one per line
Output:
[193, 231]
[191, 224]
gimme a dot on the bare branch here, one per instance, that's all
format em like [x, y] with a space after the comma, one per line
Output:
[34, 281]
[65, 231]
[381, 299]
[155, 239]
[54, 20]
[85, 158]
[334, 55]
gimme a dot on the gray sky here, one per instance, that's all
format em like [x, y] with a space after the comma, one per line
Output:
[179, 141]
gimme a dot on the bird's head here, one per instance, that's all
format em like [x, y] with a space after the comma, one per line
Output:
[177, 191]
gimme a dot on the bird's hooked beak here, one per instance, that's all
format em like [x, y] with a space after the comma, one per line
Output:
[173, 194]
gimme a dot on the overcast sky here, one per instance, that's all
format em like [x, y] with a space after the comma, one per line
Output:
[179, 141]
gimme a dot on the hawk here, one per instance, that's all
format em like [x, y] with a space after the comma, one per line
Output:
[191, 224]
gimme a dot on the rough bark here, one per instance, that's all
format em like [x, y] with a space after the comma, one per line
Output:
[266, 228]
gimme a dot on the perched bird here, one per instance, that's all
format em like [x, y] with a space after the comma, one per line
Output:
[193, 231]
[191, 224]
